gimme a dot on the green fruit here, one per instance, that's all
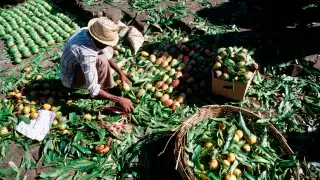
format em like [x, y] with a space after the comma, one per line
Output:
[158, 94]
[148, 86]
[241, 64]
[172, 72]
[126, 87]
[225, 76]
[217, 66]
[3, 131]
[165, 78]
[141, 92]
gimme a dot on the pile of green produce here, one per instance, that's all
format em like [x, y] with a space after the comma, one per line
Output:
[33, 25]
[226, 148]
[234, 64]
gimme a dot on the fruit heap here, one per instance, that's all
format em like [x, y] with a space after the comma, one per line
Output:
[217, 149]
[170, 73]
[234, 64]
[30, 26]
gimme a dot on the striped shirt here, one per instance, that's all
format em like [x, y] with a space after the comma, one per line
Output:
[80, 50]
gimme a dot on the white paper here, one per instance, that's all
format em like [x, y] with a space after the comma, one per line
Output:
[38, 128]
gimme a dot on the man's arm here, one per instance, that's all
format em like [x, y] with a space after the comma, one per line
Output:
[114, 66]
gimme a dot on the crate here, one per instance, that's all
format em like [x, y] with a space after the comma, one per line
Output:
[235, 91]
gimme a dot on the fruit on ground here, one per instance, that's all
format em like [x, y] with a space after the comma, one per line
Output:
[18, 95]
[237, 172]
[247, 147]
[38, 77]
[126, 87]
[175, 83]
[164, 98]
[3, 131]
[46, 107]
[230, 177]
[62, 127]
[203, 177]
[180, 99]
[144, 54]
[27, 69]
[54, 122]
[175, 105]
[152, 58]
[105, 150]
[226, 163]
[87, 117]
[168, 103]
[208, 144]
[239, 133]
[236, 138]
[159, 84]
[252, 139]
[165, 87]
[214, 164]
[26, 110]
[159, 61]
[231, 157]
[178, 74]
[34, 115]
[141, 92]
[148, 86]
[158, 94]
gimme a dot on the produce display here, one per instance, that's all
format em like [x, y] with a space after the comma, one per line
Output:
[33, 25]
[234, 64]
[170, 73]
[228, 148]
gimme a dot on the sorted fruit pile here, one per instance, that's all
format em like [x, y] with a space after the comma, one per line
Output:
[226, 148]
[234, 64]
[33, 25]
[171, 72]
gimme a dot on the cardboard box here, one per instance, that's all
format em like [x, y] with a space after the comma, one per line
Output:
[234, 91]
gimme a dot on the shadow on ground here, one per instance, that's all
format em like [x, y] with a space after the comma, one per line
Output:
[151, 165]
[278, 30]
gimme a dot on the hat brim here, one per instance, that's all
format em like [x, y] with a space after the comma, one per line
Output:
[109, 43]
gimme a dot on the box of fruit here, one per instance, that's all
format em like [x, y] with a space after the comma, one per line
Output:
[227, 142]
[233, 71]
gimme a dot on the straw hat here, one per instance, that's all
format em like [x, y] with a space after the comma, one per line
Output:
[104, 30]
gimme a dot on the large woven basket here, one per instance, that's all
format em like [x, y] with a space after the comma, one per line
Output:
[214, 111]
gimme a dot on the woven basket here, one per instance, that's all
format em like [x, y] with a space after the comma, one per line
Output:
[214, 111]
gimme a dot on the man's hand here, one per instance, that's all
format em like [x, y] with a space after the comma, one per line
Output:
[125, 104]
[124, 79]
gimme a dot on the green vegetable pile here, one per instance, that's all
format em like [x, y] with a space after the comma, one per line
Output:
[226, 148]
[234, 64]
[30, 26]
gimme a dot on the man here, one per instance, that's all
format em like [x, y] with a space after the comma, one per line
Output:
[87, 61]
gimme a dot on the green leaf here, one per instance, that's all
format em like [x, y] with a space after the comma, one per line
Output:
[242, 124]
[24, 119]
[229, 138]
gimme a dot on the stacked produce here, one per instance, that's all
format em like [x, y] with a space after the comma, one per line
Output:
[33, 25]
[225, 148]
[234, 64]
[170, 73]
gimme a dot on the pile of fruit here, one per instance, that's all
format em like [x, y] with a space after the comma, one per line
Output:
[171, 72]
[234, 64]
[33, 25]
[226, 148]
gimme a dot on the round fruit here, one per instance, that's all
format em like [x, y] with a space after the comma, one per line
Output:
[218, 73]
[164, 64]
[236, 138]
[152, 89]
[54, 122]
[175, 83]
[158, 94]
[46, 107]
[226, 163]
[252, 139]
[214, 164]
[159, 84]
[159, 61]
[62, 127]
[152, 58]
[144, 54]
[217, 66]
[105, 149]
[178, 74]
[26, 110]
[237, 172]
[18, 95]
[255, 66]
[231, 157]
[171, 72]
[241, 64]
[4, 131]
[247, 147]
[241, 57]
[148, 86]
[99, 148]
[165, 87]
[115, 53]
[208, 145]
[27, 115]
[239, 133]
[126, 87]
[87, 117]
[34, 115]
[38, 77]
[164, 98]
[230, 177]
[168, 103]
[141, 92]
[27, 69]
[225, 76]
[175, 105]
[65, 131]
[33, 110]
